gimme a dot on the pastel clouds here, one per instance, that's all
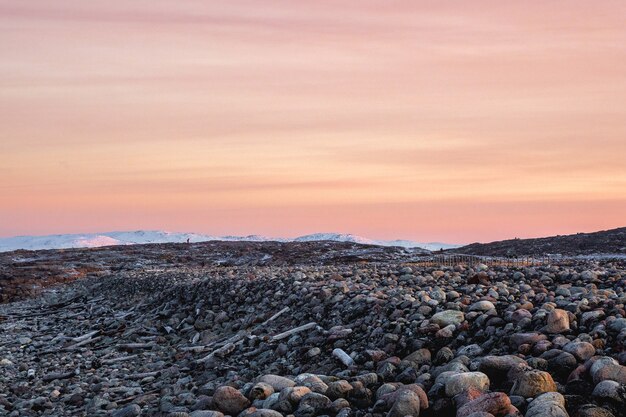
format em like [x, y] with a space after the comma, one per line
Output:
[403, 119]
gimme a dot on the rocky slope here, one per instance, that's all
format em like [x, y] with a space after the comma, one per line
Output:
[24, 273]
[321, 337]
[603, 242]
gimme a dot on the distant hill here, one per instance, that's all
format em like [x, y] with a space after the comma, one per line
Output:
[604, 242]
[93, 240]
[344, 237]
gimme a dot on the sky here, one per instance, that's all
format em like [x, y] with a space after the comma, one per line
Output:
[426, 120]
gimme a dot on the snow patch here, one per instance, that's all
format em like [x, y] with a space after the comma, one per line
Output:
[94, 240]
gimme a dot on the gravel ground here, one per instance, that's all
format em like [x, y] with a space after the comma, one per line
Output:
[347, 339]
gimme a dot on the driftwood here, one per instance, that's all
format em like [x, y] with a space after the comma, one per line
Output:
[234, 339]
[227, 347]
[275, 316]
[85, 336]
[120, 359]
[133, 397]
[55, 308]
[144, 375]
[194, 349]
[135, 346]
[58, 375]
[299, 329]
[83, 343]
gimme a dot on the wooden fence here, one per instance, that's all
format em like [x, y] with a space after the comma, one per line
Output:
[473, 260]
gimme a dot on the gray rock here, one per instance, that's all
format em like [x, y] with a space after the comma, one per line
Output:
[610, 390]
[462, 382]
[590, 410]
[265, 413]
[609, 371]
[406, 404]
[261, 390]
[497, 367]
[313, 404]
[551, 404]
[205, 413]
[132, 410]
[338, 389]
[277, 382]
[482, 306]
[448, 317]
[581, 350]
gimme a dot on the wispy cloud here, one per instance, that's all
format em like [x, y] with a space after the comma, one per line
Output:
[307, 110]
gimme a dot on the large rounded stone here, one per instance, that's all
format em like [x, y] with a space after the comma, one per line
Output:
[261, 391]
[338, 389]
[459, 383]
[581, 350]
[497, 367]
[530, 338]
[132, 410]
[407, 404]
[265, 413]
[448, 317]
[418, 358]
[313, 382]
[610, 390]
[590, 410]
[293, 395]
[551, 404]
[609, 371]
[277, 382]
[558, 321]
[519, 315]
[482, 306]
[617, 325]
[531, 383]
[389, 395]
[230, 401]
[471, 351]
[210, 413]
[496, 403]
[313, 404]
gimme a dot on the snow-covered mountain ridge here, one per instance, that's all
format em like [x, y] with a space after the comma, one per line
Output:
[92, 240]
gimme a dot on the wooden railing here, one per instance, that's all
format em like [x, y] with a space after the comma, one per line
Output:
[473, 260]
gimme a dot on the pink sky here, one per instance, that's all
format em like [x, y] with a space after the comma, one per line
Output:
[426, 120]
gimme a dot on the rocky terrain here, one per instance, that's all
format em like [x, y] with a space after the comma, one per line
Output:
[24, 273]
[312, 330]
[603, 242]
